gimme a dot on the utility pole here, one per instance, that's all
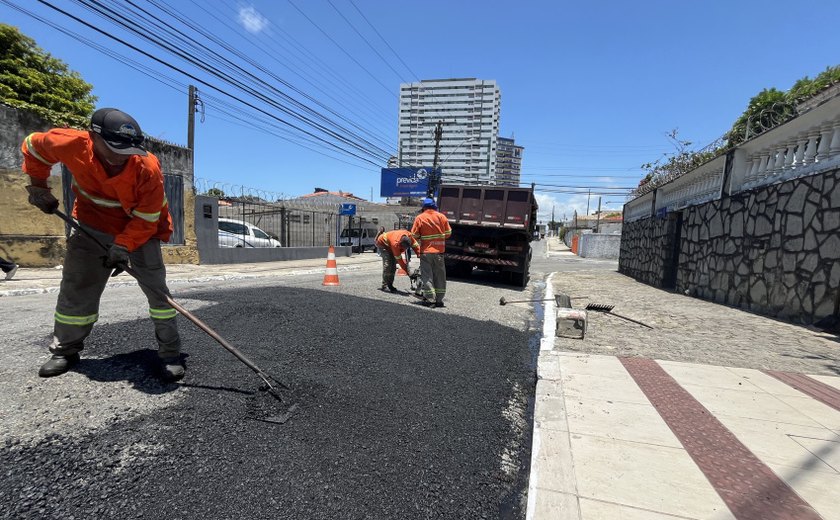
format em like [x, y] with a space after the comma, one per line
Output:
[598, 218]
[191, 121]
[553, 224]
[588, 195]
[434, 179]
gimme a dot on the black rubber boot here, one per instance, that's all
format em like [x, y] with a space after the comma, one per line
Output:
[171, 369]
[58, 365]
[392, 288]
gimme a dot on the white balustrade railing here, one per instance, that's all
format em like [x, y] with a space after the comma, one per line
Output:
[804, 145]
[639, 208]
[700, 185]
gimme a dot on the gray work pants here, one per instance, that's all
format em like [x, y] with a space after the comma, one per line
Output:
[389, 267]
[83, 280]
[433, 276]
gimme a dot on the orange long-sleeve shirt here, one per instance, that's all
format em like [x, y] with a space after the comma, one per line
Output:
[432, 228]
[131, 206]
[389, 242]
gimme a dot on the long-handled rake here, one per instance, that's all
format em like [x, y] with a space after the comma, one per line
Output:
[607, 309]
[266, 378]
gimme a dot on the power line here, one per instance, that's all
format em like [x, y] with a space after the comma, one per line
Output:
[196, 79]
[369, 73]
[276, 46]
[385, 41]
[353, 138]
[365, 40]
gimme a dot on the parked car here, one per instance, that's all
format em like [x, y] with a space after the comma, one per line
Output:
[236, 233]
[350, 237]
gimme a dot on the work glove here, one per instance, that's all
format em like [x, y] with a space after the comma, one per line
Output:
[42, 198]
[117, 256]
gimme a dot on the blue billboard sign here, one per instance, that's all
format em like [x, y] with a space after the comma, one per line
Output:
[347, 209]
[405, 182]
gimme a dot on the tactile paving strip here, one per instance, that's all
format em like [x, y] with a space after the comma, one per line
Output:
[748, 487]
[820, 391]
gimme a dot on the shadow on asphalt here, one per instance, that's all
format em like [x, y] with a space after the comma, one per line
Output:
[404, 413]
[139, 368]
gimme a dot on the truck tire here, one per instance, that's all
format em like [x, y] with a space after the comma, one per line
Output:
[519, 279]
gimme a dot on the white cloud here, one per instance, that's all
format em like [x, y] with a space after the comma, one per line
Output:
[251, 20]
[563, 206]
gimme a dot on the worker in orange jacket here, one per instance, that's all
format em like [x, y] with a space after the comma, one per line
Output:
[431, 227]
[119, 200]
[392, 244]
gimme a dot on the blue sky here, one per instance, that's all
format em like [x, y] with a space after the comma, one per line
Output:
[590, 89]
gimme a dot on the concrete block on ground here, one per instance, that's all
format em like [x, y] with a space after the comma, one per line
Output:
[571, 323]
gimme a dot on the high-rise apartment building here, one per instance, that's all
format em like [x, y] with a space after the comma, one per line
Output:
[469, 111]
[508, 162]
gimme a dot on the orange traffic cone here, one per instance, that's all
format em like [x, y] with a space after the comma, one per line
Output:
[331, 276]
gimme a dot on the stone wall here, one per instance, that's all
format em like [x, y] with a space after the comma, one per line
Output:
[647, 250]
[27, 236]
[773, 250]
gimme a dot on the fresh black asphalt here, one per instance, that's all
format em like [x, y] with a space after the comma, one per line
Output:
[403, 414]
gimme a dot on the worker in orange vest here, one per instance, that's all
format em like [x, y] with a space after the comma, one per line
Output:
[431, 227]
[119, 200]
[392, 244]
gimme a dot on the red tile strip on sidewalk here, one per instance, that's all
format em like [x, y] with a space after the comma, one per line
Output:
[820, 391]
[748, 487]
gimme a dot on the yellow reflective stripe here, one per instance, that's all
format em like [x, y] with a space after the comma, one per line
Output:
[149, 217]
[429, 237]
[108, 203]
[165, 201]
[162, 314]
[76, 320]
[31, 149]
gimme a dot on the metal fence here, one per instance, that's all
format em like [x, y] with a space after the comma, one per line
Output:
[293, 222]
[290, 227]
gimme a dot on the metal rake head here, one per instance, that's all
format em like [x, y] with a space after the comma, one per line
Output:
[599, 307]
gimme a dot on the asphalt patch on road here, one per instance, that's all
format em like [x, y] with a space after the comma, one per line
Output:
[403, 413]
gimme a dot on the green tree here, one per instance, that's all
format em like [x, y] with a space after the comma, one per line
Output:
[215, 192]
[768, 108]
[32, 79]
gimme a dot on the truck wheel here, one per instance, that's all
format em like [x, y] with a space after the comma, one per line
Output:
[519, 279]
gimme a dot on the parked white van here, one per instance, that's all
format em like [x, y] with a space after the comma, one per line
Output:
[236, 233]
[350, 237]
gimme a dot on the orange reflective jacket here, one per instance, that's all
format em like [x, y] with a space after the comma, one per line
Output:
[389, 242]
[131, 206]
[431, 227]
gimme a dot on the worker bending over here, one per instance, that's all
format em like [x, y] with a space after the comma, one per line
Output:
[120, 201]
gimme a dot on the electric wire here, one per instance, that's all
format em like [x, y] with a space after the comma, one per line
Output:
[199, 80]
[369, 73]
[213, 71]
[366, 41]
[254, 82]
[384, 40]
[178, 16]
[303, 75]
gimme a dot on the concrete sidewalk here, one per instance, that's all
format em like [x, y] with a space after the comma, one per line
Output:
[44, 280]
[715, 413]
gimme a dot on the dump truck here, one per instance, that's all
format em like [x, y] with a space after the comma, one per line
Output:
[492, 229]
